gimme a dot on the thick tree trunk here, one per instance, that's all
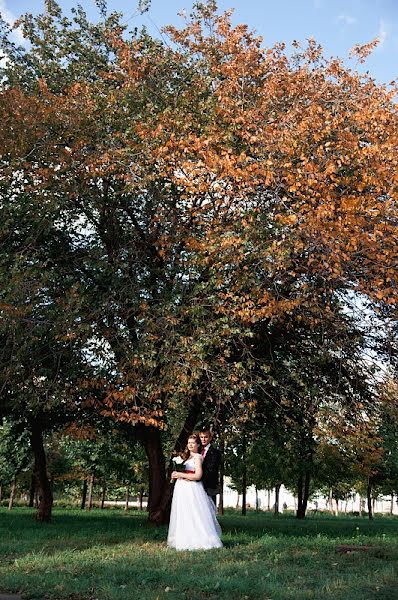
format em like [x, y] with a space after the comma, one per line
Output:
[369, 499]
[277, 490]
[90, 491]
[303, 489]
[160, 488]
[40, 470]
[12, 492]
[141, 496]
[189, 424]
[84, 494]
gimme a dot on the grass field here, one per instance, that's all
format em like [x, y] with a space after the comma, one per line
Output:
[110, 555]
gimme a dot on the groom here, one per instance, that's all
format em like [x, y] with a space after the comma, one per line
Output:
[211, 465]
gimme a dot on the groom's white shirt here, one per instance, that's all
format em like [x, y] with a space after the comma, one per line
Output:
[206, 449]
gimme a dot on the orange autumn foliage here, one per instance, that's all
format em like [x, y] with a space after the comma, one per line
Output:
[274, 178]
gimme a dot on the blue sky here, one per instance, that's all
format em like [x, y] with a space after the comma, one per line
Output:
[336, 24]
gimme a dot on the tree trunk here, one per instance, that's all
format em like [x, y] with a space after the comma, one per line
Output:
[126, 503]
[268, 499]
[330, 500]
[40, 470]
[32, 491]
[12, 492]
[190, 422]
[391, 504]
[141, 496]
[84, 494]
[337, 507]
[300, 494]
[306, 489]
[1, 492]
[220, 507]
[90, 491]
[277, 490]
[221, 496]
[257, 506]
[303, 489]
[369, 499]
[244, 489]
[103, 495]
[244, 475]
[160, 489]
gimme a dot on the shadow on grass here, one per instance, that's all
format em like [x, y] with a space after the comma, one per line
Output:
[113, 556]
[118, 523]
[82, 530]
[20, 533]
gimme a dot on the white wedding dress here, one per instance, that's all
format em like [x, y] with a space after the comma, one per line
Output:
[193, 524]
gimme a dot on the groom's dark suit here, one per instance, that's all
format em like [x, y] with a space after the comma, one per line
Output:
[211, 467]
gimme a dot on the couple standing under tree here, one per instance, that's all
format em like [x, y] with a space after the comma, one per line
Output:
[193, 523]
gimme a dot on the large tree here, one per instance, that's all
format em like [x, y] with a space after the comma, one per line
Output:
[200, 191]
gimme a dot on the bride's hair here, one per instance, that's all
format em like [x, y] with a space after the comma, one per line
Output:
[187, 453]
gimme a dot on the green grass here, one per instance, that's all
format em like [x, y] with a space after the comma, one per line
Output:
[110, 555]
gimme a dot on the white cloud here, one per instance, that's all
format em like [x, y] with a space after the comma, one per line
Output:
[382, 33]
[10, 18]
[347, 19]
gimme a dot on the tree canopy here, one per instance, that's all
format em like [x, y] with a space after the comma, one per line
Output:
[185, 224]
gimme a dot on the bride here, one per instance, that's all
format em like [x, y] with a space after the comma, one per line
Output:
[193, 523]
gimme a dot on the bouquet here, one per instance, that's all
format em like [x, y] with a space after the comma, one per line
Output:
[178, 464]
